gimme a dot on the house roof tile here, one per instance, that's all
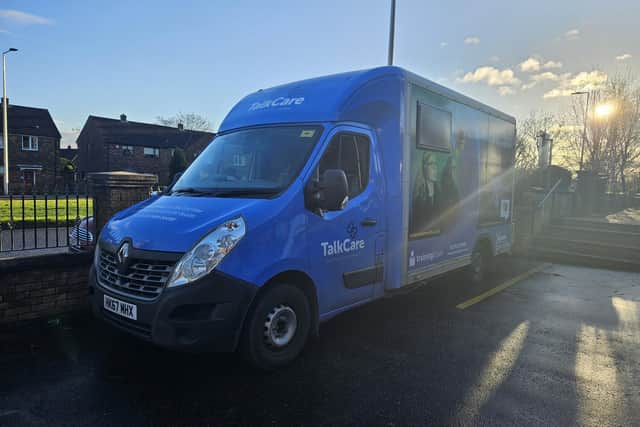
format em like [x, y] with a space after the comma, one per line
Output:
[30, 121]
[116, 131]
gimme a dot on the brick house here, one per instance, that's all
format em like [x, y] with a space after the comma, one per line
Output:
[106, 145]
[34, 144]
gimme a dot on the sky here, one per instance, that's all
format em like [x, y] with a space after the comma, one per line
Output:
[157, 58]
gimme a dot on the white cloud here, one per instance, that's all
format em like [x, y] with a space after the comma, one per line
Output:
[506, 91]
[547, 75]
[533, 64]
[542, 77]
[494, 58]
[551, 64]
[471, 40]
[583, 81]
[444, 44]
[492, 76]
[19, 17]
[623, 57]
[572, 34]
[530, 65]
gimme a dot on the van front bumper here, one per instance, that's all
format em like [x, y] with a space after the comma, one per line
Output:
[206, 315]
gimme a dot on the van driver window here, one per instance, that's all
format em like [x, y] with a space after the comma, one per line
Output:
[350, 153]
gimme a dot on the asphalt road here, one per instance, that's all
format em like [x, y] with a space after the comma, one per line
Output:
[557, 348]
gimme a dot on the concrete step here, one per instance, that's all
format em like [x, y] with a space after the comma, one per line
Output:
[565, 257]
[614, 237]
[594, 224]
[588, 247]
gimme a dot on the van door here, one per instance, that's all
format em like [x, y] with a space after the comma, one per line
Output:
[346, 246]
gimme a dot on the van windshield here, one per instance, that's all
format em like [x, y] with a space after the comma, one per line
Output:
[252, 162]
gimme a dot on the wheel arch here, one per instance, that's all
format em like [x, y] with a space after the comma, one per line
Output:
[300, 280]
[484, 243]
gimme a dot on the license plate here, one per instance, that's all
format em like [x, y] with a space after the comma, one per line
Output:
[124, 309]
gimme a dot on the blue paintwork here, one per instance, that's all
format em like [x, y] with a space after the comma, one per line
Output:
[281, 234]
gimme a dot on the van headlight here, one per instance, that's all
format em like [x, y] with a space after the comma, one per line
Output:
[208, 252]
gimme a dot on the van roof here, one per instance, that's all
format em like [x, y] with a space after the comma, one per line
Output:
[325, 99]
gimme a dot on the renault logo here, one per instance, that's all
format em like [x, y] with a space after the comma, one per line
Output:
[123, 255]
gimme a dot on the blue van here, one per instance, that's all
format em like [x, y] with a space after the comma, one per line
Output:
[314, 198]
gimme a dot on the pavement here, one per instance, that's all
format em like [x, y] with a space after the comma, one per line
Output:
[535, 345]
[626, 216]
[33, 241]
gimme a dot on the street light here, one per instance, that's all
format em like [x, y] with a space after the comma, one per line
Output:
[5, 127]
[392, 31]
[584, 130]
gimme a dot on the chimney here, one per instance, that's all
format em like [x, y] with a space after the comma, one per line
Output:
[180, 126]
[123, 117]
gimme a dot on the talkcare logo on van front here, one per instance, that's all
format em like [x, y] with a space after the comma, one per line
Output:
[339, 247]
[281, 101]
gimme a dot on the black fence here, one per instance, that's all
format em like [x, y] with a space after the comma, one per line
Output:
[39, 221]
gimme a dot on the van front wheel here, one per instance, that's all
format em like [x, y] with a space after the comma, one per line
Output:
[277, 328]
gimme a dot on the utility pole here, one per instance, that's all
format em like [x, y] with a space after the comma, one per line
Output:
[392, 30]
[5, 127]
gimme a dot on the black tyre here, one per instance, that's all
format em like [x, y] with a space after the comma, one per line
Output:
[477, 270]
[277, 327]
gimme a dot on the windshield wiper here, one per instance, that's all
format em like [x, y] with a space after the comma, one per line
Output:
[247, 192]
[193, 191]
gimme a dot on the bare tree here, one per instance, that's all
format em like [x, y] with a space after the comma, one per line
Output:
[190, 121]
[528, 131]
[623, 127]
[612, 141]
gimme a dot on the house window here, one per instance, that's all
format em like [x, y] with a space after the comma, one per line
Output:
[127, 150]
[29, 143]
[151, 152]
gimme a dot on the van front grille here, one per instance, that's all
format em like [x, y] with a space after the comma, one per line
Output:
[141, 279]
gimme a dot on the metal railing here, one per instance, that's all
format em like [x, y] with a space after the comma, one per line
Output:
[539, 207]
[32, 221]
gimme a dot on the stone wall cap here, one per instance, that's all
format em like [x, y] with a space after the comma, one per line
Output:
[122, 177]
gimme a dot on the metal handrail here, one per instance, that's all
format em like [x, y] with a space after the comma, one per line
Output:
[540, 205]
[544, 199]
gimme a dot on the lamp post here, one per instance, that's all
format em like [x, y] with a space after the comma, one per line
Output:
[584, 130]
[5, 127]
[392, 30]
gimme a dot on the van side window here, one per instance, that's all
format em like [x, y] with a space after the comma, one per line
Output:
[433, 129]
[350, 153]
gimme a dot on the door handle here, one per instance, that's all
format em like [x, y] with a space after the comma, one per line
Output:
[368, 222]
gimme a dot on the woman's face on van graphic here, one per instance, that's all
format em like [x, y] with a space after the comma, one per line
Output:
[430, 168]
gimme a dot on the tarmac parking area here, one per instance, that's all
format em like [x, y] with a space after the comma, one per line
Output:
[538, 344]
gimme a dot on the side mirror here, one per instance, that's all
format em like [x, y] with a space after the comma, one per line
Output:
[331, 193]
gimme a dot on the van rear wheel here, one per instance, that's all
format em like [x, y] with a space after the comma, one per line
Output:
[277, 328]
[477, 270]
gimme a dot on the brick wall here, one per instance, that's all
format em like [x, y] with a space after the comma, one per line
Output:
[41, 287]
[115, 191]
[136, 161]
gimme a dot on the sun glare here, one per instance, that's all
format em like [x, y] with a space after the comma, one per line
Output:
[604, 110]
